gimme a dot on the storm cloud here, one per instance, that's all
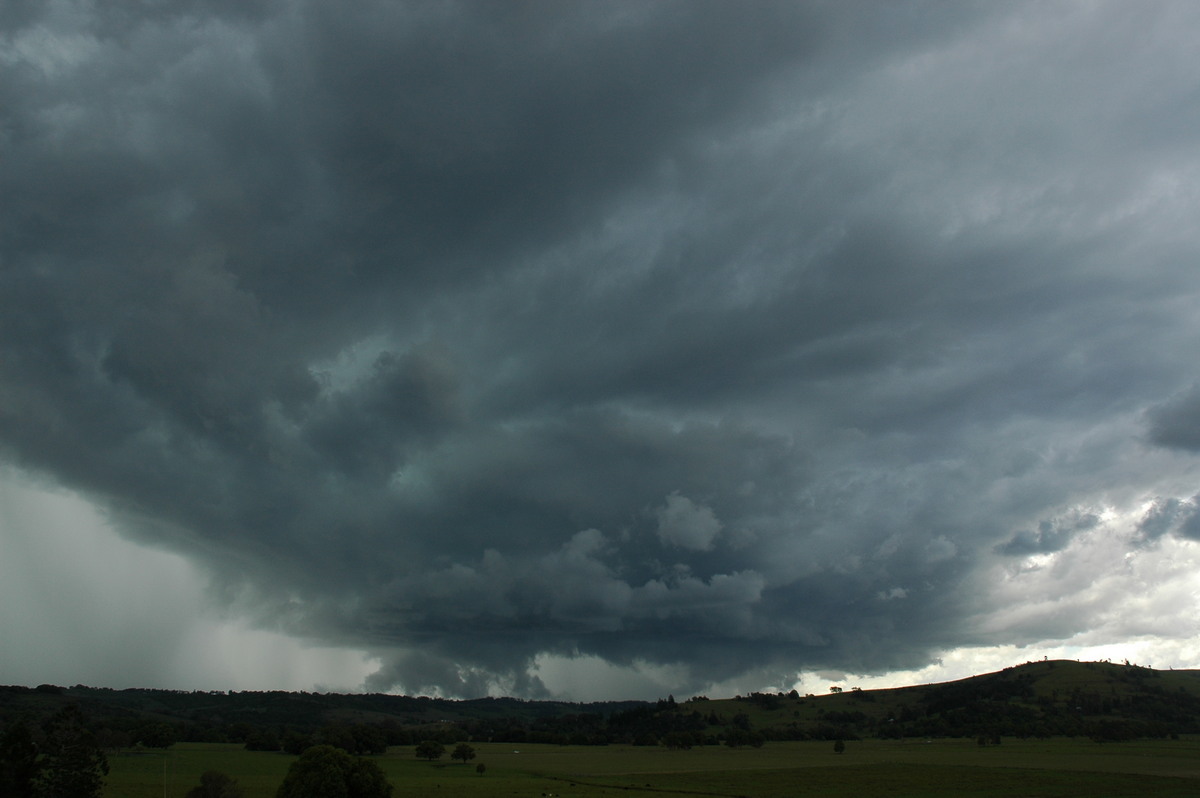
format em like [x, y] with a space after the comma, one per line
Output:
[742, 340]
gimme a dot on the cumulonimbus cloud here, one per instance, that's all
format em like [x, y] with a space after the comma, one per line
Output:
[733, 338]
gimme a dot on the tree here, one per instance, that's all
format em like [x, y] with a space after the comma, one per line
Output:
[464, 752]
[338, 737]
[839, 747]
[74, 764]
[18, 762]
[113, 740]
[215, 784]
[327, 772]
[262, 740]
[481, 768]
[735, 738]
[296, 743]
[430, 749]
[368, 739]
[156, 735]
[678, 740]
[367, 780]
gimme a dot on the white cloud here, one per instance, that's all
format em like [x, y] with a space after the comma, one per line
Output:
[1102, 583]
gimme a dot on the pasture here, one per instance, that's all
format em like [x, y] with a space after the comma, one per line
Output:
[898, 769]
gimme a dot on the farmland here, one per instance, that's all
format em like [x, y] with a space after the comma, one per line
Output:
[1048, 728]
[1044, 768]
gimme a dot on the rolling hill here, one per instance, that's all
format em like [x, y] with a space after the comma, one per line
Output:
[1099, 700]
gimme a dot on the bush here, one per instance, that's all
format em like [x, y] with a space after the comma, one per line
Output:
[262, 740]
[327, 772]
[73, 764]
[430, 749]
[215, 784]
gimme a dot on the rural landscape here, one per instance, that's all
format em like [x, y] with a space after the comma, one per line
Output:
[626, 398]
[1047, 728]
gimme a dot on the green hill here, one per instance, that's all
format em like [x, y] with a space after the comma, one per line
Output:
[1049, 698]
[1098, 700]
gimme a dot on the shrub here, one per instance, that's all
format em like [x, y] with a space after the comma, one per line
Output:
[327, 772]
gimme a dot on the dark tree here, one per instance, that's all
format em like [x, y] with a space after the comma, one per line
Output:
[430, 749]
[464, 752]
[74, 764]
[18, 762]
[735, 738]
[481, 768]
[367, 780]
[215, 784]
[327, 772]
[296, 743]
[156, 735]
[839, 746]
[678, 740]
[368, 739]
[262, 740]
[338, 737]
[113, 740]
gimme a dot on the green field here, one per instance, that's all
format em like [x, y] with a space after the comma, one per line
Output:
[907, 769]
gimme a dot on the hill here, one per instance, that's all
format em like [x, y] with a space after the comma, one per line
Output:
[1099, 700]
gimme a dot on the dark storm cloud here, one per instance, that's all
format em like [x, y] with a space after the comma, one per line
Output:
[1051, 535]
[1167, 516]
[736, 336]
[1176, 422]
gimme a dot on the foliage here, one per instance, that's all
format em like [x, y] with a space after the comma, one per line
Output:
[74, 765]
[262, 740]
[368, 739]
[113, 740]
[18, 762]
[215, 784]
[367, 780]
[430, 749]
[327, 772]
[296, 743]
[338, 737]
[156, 735]
[679, 740]
[941, 769]
[1101, 701]
[464, 752]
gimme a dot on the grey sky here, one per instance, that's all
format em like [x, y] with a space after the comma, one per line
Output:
[694, 344]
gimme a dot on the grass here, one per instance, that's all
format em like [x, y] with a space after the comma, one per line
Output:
[177, 770]
[907, 769]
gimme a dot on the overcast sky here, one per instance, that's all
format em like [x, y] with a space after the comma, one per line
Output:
[595, 350]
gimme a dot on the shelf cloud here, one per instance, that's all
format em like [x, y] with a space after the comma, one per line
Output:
[726, 341]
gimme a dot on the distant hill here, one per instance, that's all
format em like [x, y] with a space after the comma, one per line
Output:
[1099, 700]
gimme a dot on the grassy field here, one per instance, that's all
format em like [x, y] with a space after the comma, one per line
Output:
[908, 769]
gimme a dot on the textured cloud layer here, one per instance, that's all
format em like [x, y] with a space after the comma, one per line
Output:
[738, 338]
